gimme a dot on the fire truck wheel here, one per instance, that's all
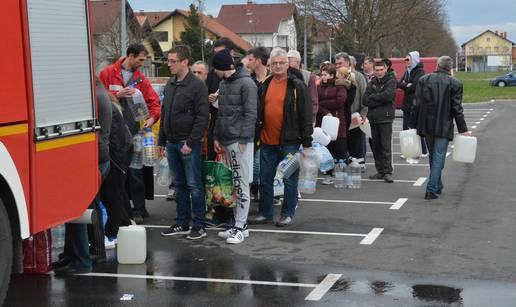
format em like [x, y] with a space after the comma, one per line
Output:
[6, 252]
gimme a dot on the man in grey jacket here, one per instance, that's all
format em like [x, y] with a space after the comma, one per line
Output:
[234, 134]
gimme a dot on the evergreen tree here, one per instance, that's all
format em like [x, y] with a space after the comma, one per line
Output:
[191, 37]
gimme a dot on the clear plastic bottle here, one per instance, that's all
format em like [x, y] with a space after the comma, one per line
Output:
[340, 181]
[324, 157]
[137, 159]
[355, 174]
[138, 106]
[289, 164]
[163, 173]
[150, 153]
[58, 237]
[310, 171]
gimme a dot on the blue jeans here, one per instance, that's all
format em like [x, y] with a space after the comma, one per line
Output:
[137, 190]
[76, 246]
[270, 157]
[406, 117]
[437, 148]
[187, 177]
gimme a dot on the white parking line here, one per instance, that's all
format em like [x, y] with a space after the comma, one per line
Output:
[218, 280]
[485, 115]
[323, 287]
[419, 182]
[379, 180]
[474, 127]
[394, 205]
[447, 154]
[296, 232]
[482, 118]
[477, 123]
[398, 204]
[401, 164]
[372, 236]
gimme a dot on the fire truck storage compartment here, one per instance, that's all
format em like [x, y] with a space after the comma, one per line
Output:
[61, 67]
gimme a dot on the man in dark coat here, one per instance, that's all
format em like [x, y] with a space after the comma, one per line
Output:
[438, 103]
[379, 98]
[408, 84]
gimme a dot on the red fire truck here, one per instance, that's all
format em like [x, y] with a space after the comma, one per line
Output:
[48, 147]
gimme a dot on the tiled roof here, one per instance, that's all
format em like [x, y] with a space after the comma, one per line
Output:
[255, 18]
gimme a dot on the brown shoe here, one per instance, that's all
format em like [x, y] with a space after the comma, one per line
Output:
[259, 219]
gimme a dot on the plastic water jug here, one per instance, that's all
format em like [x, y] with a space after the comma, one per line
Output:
[355, 120]
[164, 173]
[289, 165]
[410, 143]
[137, 106]
[137, 158]
[465, 148]
[366, 128]
[341, 175]
[324, 158]
[310, 171]
[150, 153]
[131, 245]
[278, 185]
[321, 137]
[355, 174]
[330, 124]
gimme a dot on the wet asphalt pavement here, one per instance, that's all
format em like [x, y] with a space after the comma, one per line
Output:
[382, 245]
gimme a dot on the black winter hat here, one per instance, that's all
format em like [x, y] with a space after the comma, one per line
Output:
[223, 60]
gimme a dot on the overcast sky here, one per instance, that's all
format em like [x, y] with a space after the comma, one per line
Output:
[468, 18]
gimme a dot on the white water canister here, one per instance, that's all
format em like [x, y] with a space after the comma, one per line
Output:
[410, 143]
[465, 148]
[366, 128]
[131, 245]
[321, 137]
[330, 124]
[355, 120]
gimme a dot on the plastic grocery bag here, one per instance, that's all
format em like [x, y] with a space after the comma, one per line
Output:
[218, 183]
[278, 185]
[37, 253]
[164, 173]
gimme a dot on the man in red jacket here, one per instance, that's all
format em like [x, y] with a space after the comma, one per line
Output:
[121, 79]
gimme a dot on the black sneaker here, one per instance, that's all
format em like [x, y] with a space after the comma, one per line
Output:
[176, 230]
[431, 196]
[377, 176]
[138, 218]
[388, 178]
[197, 233]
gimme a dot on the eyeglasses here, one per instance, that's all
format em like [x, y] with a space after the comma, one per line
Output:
[278, 63]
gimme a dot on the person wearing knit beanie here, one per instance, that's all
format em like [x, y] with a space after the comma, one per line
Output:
[223, 60]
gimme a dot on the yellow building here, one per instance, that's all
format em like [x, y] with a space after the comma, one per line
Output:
[488, 51]
[167, 28]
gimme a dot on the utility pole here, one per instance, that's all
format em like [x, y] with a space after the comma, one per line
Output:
[123, 28]
[305, 51]
[201, 11]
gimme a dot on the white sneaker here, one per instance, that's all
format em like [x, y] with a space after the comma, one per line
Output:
[424, 155]
[171, 195]
[226, 234]
[412, 161]
[236, 236]
[277, 202]
[109, 244]
[402, 156]
[327, 180]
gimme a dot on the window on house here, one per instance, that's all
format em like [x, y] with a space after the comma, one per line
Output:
[488, 39]
[496, 49]
[488, 50]
[470, 49]
[161, 36]
[282, 41]
[480, 50]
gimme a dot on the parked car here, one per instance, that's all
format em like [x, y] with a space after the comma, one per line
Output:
[507, 80]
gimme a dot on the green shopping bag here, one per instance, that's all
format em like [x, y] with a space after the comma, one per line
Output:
[218, 183]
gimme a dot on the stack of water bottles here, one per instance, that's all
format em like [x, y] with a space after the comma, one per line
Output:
[145, 152]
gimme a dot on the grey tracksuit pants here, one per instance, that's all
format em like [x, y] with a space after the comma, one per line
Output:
[242, 166]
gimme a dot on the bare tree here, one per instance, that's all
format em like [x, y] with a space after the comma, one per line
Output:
[384, 27]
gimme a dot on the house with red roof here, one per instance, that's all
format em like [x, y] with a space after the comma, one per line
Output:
[268, 25]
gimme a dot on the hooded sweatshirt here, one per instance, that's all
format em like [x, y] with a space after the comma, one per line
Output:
[236, 117]
[414, 56]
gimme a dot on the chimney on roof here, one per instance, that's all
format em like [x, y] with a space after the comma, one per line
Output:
[505, 35]
[496, 32]
[249, 8]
